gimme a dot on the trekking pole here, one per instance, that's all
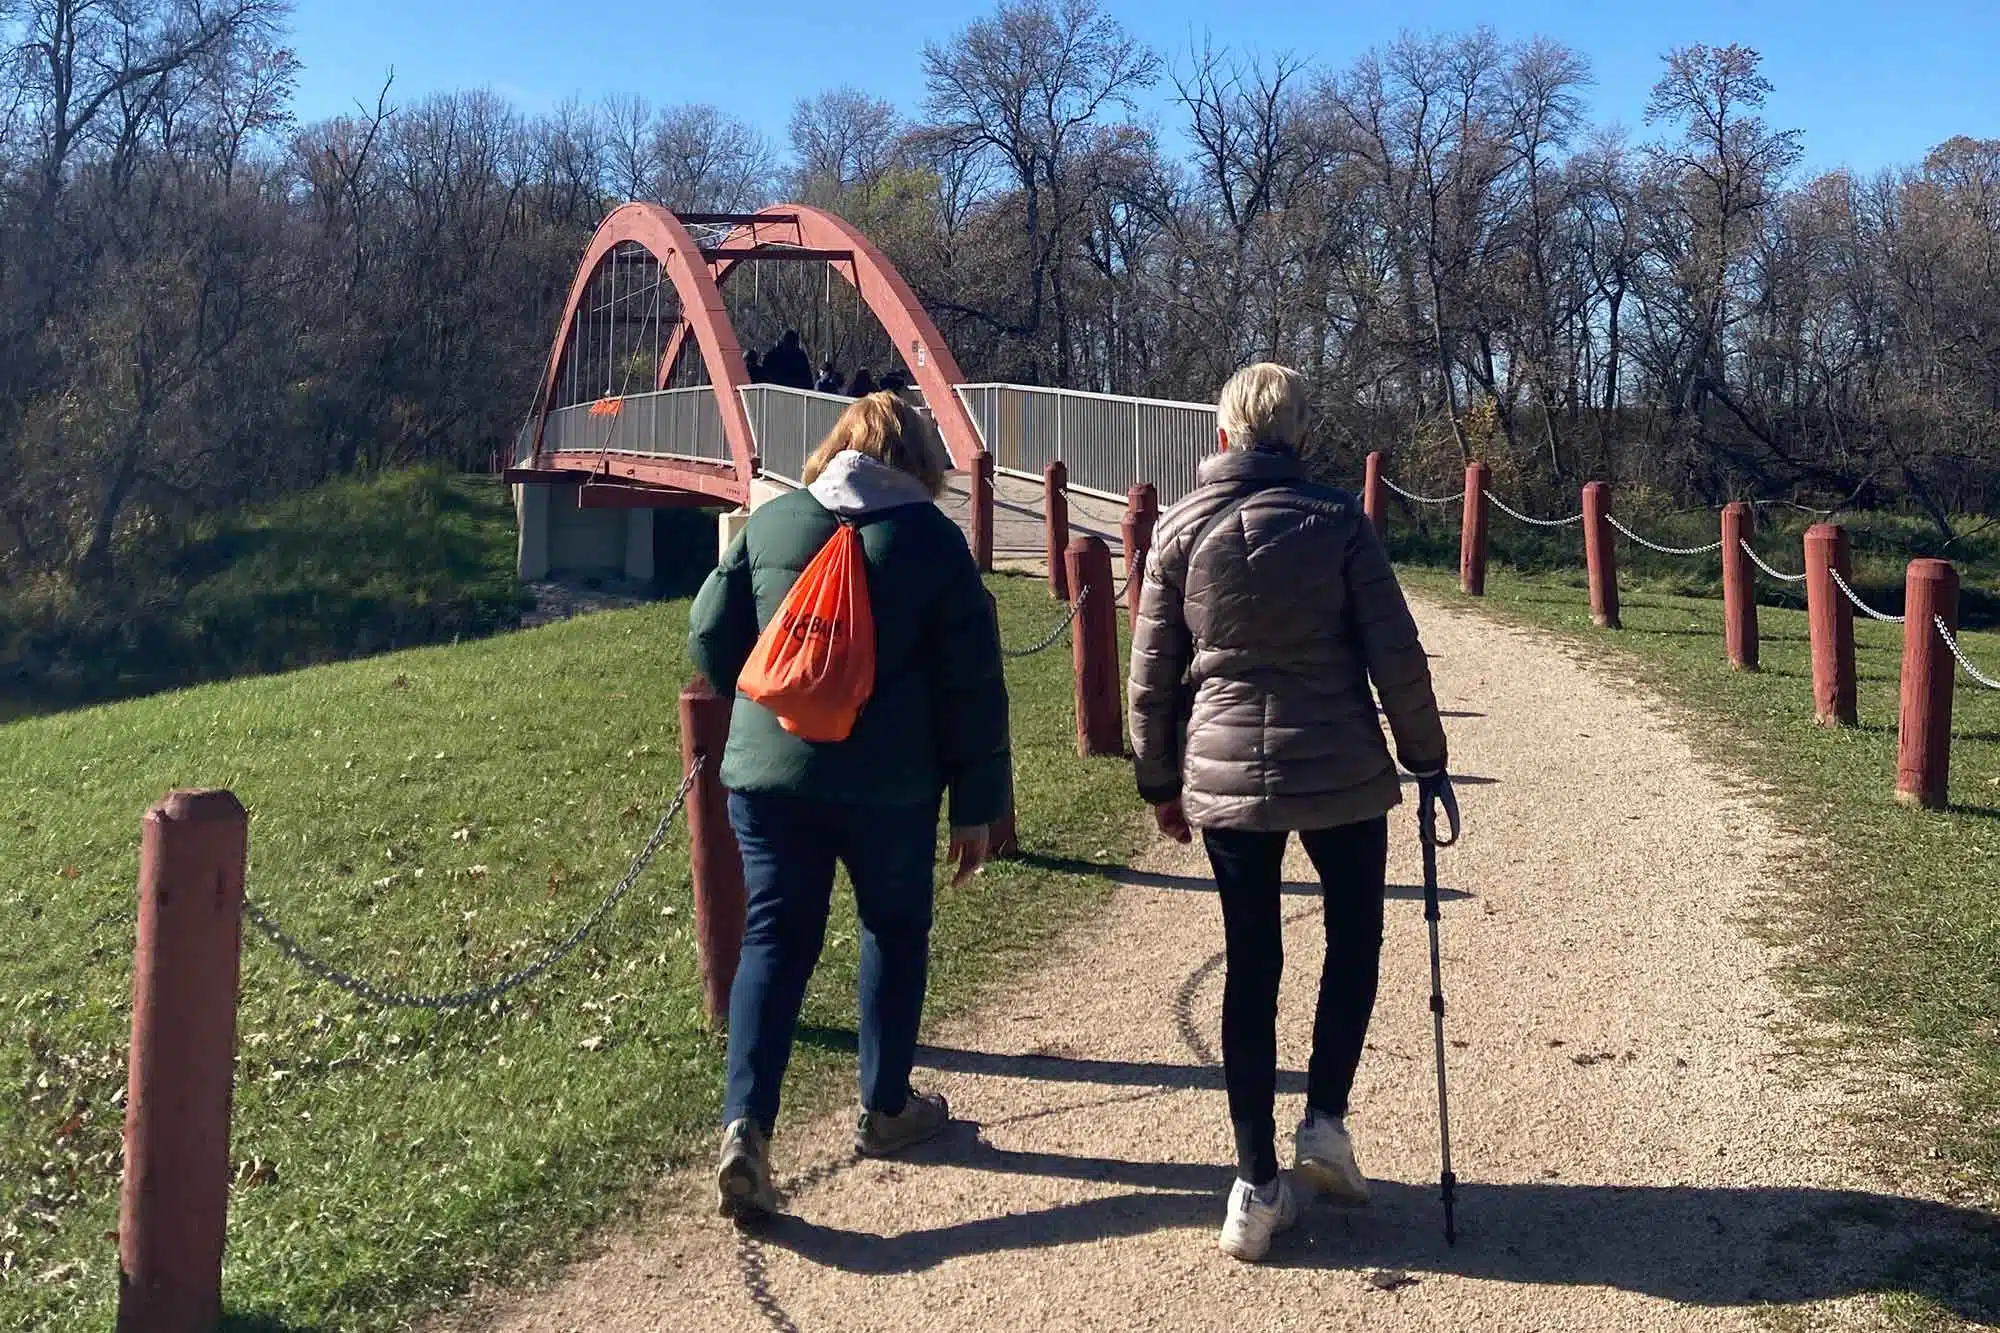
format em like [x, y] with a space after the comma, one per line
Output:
[1428, 832]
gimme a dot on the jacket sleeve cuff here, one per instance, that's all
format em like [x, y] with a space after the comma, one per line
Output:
[979, 796]
[1159, 793]
[1424, 766]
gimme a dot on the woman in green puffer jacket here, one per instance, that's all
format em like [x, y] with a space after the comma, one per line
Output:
[934, 730]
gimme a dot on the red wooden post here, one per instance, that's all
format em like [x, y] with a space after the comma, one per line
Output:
[1472, 532]
[1142, 512]
[1739, 587]
[1055, 526]
[714, 860]
[1923, 745]
[1003, 838]
[982, 510]
[173, 1203]
[1600, 554]
[1371, 495]
[1100, 724]
[1831, 617]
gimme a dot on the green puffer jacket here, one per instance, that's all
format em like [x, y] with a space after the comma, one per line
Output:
[937, 721]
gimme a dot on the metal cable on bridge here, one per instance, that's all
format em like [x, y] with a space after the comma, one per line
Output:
[1860, 605]
[1414, 498]
[1664, 550]
[1055, 635]
[1514, 513]
[1951, 642]
[383, 997]
[1758, 561]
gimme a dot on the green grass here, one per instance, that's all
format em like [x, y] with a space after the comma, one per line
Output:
[354, 567]
[1897, 916]
[431, 818]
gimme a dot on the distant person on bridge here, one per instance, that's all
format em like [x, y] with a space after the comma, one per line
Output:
[934, 729]
[787, 364]
[829, 378]
[1268, 608]
[862, 384]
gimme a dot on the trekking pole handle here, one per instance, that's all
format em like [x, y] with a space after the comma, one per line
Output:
[1433, 789]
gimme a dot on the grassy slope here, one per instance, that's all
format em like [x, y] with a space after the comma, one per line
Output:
[1900, 918]
[409, 1154]
[356, 566]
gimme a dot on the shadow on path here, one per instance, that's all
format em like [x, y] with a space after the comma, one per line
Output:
[1704, 1246]
[1153, 1074]
[1148, 879]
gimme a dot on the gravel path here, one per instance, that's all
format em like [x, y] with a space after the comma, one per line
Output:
[1634, 1150]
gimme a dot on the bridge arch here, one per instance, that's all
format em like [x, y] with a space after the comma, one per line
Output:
[882, 289]
[681, 262]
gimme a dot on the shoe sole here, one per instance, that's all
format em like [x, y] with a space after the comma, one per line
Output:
[742, 1197]
[869, 1148]
[1329, 1183]
[1242, 1255]
[878, 1148]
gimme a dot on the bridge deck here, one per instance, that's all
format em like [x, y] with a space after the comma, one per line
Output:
[1017, 519]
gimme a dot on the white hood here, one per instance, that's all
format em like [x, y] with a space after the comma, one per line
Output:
[854, 484]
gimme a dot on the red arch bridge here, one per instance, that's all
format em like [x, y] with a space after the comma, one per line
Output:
[646, 401]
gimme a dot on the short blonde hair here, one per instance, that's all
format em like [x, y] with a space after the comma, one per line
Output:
[1263, 404]
[885, 428]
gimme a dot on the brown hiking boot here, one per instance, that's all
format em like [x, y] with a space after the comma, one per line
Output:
[879, 1134]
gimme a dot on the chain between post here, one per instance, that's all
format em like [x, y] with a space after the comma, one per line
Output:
[1860, 605]
[1516, 514]
[1055, 635]
[384, 998]
[1758, 561]
[1951, 642]
[1665, 550]
[1414, 498]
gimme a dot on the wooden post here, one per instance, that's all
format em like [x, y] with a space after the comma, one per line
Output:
[1372, 497]
[1100, 724]
[982, 510]
[1923, 745]
[173, 1203]
[1142, 512]
[714, 861]
[1472, 532]
[1600, 554]
[1831, 617]
[1739, 587]
[1055, 526]
[1003, 838]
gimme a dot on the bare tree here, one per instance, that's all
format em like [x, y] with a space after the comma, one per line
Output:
[1025, 87]
[709, 161]
[842, 139]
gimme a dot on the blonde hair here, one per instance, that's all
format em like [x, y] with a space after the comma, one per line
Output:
[885, 428]
[1263, 404]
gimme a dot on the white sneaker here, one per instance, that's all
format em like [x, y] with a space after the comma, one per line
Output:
[1247, 1231]
[1323, 1157]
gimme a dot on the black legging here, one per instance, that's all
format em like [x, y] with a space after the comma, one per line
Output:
[1249, 872]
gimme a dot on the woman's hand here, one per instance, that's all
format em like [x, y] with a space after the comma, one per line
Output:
[967, 851]
[1434, 790]
[1173, 820]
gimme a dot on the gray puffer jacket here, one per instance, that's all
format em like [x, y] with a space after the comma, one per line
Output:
[1268, 607]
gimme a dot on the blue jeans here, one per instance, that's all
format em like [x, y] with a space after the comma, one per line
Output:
[789, 847]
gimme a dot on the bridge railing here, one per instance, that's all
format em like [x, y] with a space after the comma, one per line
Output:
[1108, 443]
[670, 423]
[788, 425]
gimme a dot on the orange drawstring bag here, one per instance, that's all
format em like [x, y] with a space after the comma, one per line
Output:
[814, 664]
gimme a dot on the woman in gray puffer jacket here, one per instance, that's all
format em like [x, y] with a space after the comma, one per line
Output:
[1268, 609]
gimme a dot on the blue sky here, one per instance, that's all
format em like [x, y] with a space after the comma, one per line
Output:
[1870, 84]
